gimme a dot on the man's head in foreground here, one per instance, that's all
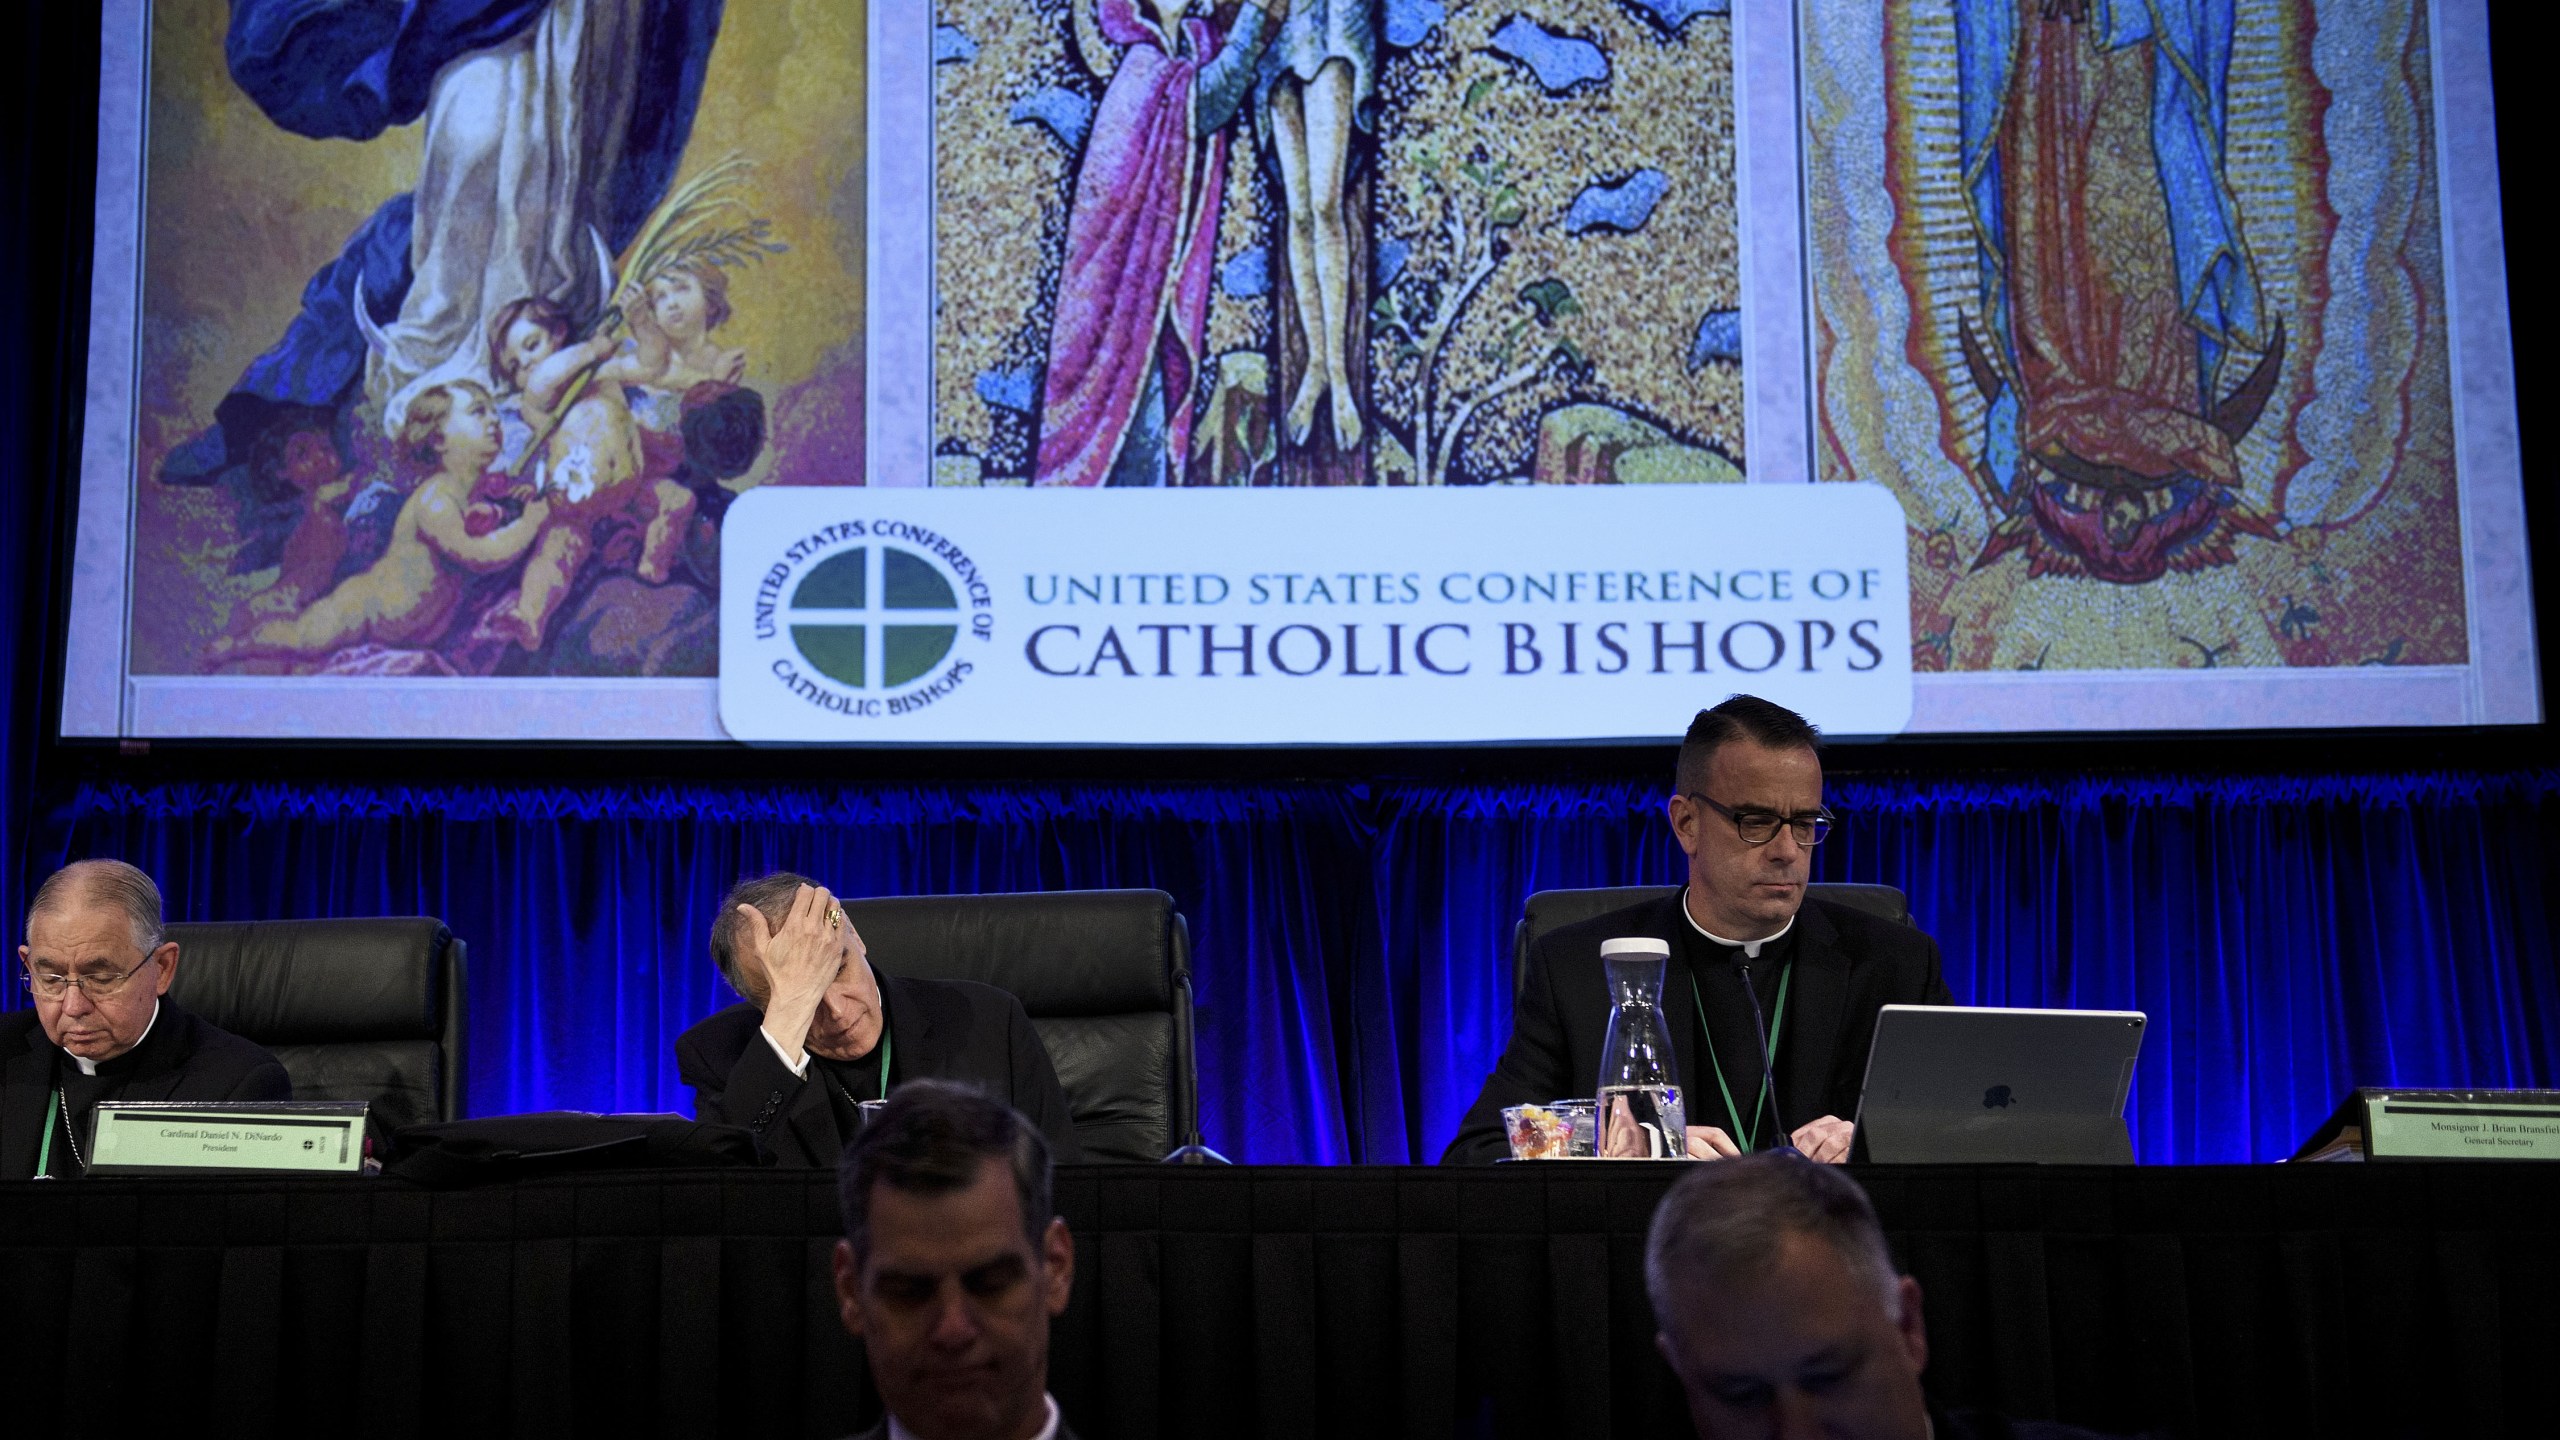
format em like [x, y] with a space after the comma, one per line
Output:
[95, 958]
[1779, 1306]
[953, 1262]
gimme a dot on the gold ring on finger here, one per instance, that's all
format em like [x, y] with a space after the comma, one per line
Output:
[835, 916]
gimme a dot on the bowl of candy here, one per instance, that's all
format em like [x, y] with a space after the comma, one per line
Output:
[1557, 1130]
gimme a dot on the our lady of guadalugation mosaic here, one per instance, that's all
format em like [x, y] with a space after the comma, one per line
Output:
[2141, 308]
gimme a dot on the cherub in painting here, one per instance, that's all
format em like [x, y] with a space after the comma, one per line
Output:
[592, 461]
[407, 597]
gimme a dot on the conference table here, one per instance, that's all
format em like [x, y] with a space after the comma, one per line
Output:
[2413, 1298]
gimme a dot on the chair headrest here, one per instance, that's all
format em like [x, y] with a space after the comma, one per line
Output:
[308, 982]
[1554, 909]
[1072, 952]
[1885, 902]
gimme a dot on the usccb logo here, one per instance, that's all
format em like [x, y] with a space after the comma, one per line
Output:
[872, 617]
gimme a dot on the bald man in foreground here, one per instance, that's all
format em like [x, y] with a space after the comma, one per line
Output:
[1780, 1309]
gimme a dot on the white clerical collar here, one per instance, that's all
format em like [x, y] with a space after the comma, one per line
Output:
[90, 1067]
[1750, 948]
[1048, 1431]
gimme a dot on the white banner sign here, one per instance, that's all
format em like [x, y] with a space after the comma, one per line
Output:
[1260, 617]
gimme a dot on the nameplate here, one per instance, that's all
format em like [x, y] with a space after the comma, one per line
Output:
[162, 1137]
[2462, 1124]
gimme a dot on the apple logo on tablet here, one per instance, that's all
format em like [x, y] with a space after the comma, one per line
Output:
[1997, 1098]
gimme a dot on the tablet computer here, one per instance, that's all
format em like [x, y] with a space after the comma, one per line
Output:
[1976, 1084]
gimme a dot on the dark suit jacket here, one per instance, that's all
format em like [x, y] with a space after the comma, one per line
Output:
[1985, 1425]
[1849, 964]
[183, 1058]
[943, 1029]
[881, 1431]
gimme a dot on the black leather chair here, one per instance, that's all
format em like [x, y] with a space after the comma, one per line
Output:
[1554, 909]
[367, 1010]
[1106, 978]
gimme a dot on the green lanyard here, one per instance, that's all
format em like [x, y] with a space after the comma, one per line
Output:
[1740, 1131]
[44, 1157]
[887, 1051]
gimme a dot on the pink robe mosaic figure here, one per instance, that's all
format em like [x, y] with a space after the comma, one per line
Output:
[1116, 405]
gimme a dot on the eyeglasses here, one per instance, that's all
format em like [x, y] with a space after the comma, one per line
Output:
[53, 984]
[1759, 827]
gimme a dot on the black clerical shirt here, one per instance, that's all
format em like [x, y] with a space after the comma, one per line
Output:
[849, 1083]
[1709, 979]
[177, 1056]
[80, 1095]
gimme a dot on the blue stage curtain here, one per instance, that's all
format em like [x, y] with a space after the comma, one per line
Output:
[2289, 938]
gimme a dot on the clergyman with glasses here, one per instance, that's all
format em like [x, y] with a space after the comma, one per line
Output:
[98, 965]
[1747, 807]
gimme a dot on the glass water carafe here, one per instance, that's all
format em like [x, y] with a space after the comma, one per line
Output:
[1640, 1114]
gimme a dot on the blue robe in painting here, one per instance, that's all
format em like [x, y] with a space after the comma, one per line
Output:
[350, 69]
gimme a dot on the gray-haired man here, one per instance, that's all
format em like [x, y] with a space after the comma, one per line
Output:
[1781, 1311]
[822, 1030]
[98, 964]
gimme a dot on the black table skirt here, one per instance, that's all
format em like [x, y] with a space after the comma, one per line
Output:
[2344, 1299]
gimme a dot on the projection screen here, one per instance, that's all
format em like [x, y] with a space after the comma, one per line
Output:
[1395, 372]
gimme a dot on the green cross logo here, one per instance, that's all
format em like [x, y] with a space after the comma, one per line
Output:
[845, 639]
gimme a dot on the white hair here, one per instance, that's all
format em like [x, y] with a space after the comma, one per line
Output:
[110, 883]
[1726, 1221]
